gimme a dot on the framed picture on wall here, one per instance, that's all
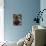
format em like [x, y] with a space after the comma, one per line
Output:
[17, 19]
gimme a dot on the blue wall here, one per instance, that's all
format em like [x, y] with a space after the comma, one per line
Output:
[27, 8]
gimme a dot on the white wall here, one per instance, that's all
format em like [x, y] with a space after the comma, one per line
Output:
[1, 20]
[43, 6]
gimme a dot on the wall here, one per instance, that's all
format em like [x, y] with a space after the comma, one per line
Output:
[1, 21]
[43, 6]
[27, 8]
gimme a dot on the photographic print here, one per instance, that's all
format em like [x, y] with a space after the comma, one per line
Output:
[17, 19]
